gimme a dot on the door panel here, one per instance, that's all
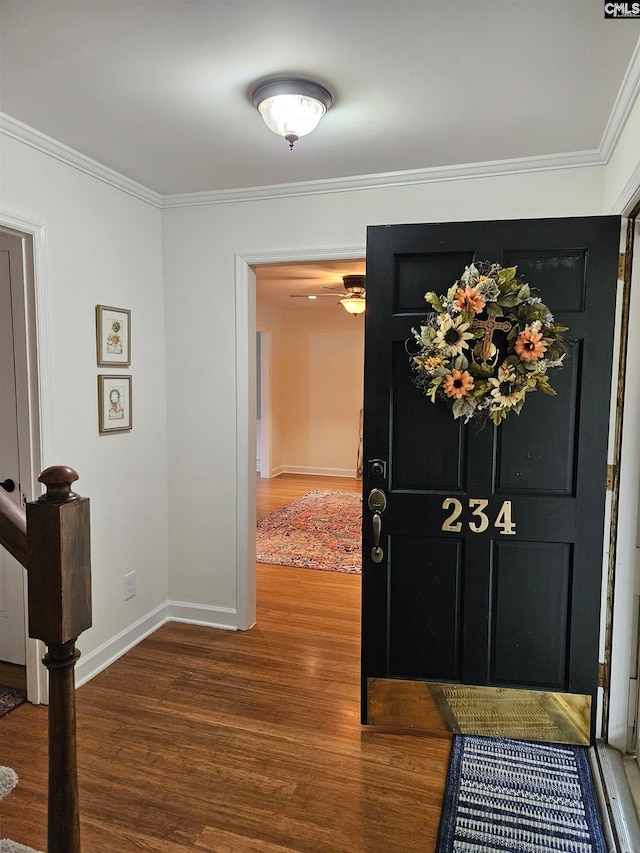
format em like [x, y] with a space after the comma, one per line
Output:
[415, 465]
[531, 583]
[549, 465]
[415, 274]
[426, 610]
[492, 536]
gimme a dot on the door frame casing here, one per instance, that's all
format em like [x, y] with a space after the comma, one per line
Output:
[625, 524]
[245, 299]
[34, 406]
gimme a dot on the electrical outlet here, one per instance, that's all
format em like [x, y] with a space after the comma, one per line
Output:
[129, 585]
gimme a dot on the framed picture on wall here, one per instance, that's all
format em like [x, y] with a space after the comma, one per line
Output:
[114, 404]
[113, 336]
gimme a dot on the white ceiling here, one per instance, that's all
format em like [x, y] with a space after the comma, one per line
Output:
[159, 90]
[287, 286]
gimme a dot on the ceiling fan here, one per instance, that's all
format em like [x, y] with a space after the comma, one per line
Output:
[354, 299]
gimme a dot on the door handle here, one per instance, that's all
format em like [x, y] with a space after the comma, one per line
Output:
[377, 503]
[377, 529]
[8, 485]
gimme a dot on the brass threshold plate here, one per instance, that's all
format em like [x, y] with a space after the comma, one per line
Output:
[437, 707]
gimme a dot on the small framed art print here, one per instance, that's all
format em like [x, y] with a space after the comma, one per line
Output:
[113, 336]
[114, 404]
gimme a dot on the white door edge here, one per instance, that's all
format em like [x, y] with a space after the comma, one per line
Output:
[39, 450]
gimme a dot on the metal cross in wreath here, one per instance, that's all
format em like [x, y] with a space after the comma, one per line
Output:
[489, 325]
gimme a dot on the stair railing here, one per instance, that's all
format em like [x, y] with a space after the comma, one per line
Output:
[52, 540]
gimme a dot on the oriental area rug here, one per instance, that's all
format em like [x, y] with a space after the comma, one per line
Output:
[320, 530]
[10, 698]
[518, 796]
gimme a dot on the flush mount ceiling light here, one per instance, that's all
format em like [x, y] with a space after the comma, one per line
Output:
[290, 107]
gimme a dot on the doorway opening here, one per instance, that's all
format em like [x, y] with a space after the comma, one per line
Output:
[245, 297]
[309, 388]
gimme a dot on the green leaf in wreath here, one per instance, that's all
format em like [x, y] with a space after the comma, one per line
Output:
[460, 362]
[462, 407]
[543, 385]
[481, 370]
[493, 310]
[506, 275]
[434, 300]
[509, 300]
[458, 408]
[433, 387]
[427, 336]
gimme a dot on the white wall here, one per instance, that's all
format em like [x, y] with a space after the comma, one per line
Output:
[200, 244]
[102, 247]
[316, 388]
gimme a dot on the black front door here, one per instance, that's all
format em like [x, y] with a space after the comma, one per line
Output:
[490, 565]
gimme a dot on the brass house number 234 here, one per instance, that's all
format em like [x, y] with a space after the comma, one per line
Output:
[480, 521]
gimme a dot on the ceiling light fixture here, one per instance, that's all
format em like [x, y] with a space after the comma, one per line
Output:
[355, 285]
[291, 107]
[354, 304]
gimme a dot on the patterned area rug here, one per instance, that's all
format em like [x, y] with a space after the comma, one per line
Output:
[10, 698]
[521, 797]
[320, 530]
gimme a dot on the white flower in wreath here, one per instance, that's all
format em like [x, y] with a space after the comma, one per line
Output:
[469, 276]
[452, 336]
[506, 391]
[488, 288]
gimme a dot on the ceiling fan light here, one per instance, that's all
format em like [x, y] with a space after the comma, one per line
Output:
[354, 304]
[291, 108]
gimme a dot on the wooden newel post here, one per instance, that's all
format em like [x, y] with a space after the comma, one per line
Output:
[59, 581]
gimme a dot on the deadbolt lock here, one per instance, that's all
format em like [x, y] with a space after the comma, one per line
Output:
[377, 468]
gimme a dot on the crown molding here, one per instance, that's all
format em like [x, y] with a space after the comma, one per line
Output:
[623, 105]
[23, 133]
[489, 169]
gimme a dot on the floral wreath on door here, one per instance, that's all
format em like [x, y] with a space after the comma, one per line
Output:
[488, 343]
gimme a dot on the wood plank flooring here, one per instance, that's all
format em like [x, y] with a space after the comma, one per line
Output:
[13, 675]
[250, 742]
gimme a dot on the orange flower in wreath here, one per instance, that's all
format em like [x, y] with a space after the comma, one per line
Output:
[469, 300]
[529, 345]
[457, 384]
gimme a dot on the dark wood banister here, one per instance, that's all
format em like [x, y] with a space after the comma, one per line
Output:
[52, 540]
[13, 528]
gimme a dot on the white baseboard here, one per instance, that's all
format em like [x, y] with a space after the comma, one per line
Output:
[319, 472]
[99, 659]
[202, 614]
[91, 664]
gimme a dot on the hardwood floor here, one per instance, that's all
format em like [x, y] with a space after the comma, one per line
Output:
[13, 675]
[272, 494]
[250, 742]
